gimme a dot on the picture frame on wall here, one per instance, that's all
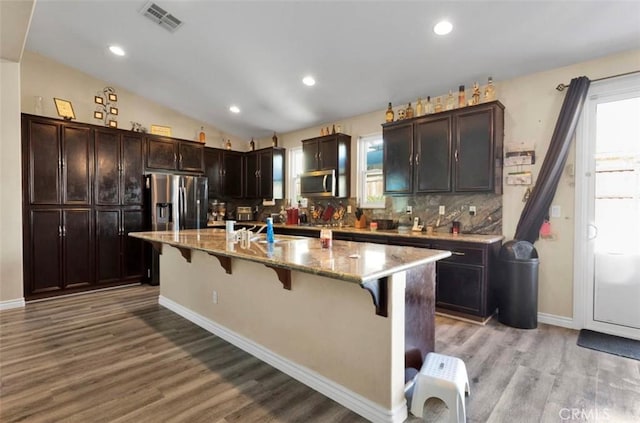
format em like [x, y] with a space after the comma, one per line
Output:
[113, 123]
[113, 110]
[98, 115]
[113, 97]
[64, 108]
[98, 100]
[161, 130]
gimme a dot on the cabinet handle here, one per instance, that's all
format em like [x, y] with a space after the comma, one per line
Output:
[255, 173]
[175, 157]
[64, 230]
[410, 159]
[417, 159]
[457, 253]
[456, 155]
[180, 158]
[59, 231]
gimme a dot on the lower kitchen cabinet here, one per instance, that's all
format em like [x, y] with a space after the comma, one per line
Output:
[119, 257]
[58, 252]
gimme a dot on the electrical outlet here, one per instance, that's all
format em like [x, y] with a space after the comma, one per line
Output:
[214, 297]
[441, 210]
[348, 209]
[472, 210]
[409, 209]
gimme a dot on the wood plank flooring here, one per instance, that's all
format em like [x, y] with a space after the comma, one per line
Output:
[117, 356]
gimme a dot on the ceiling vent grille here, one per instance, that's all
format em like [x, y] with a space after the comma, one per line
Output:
[161, 17]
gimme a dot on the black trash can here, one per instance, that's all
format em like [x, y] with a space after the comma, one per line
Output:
[518, 287]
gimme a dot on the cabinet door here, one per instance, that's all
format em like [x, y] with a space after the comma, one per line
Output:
[131, 171]
[45, 251]
[328, 153]
[132, 248]
[43, 144]
[107, 178]
[474, 151]
[459, 287]
[76, 164]
[190, 157]
[77, 248]
[265, 174]
[213, 170]
[251, 179]
[108, 245]
[310, 155]
[277, 174]
[398, 159]
[433, 155]
[232, 174]
[161, 153]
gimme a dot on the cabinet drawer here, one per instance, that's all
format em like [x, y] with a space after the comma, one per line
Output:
[462, 254]
[459, 287]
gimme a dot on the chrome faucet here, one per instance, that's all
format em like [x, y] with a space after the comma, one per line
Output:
[262, 228]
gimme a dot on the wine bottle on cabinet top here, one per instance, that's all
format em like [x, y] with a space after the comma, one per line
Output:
[462, 99]
[490, 91]
[389, 114]
[450, 102]
[409, 112]
[419, 108]
[429, 106]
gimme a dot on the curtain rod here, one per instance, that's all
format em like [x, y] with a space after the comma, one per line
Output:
[562, 87]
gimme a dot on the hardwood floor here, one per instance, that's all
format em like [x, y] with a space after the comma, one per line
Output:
[117, 356]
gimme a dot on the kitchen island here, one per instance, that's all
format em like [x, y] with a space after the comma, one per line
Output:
[339, 320]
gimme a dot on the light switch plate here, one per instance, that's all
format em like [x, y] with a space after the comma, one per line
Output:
[441, 210]
[348, 209]
[409, 209]
[556, 211]
[472, 210]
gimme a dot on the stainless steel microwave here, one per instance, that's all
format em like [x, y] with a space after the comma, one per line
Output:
[319, 183]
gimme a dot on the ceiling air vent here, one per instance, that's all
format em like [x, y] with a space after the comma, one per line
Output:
[161, 17]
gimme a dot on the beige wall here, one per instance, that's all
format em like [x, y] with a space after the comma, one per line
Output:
[532, 106]
[10, 184]
[47, 78]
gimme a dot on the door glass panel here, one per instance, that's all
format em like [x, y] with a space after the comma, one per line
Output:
[617, 213]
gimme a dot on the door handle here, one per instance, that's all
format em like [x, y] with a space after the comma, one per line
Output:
[417, 159]
[455, 155]
[595, 232]
[410, 159]
[59, 231]
[64, 230]
[324, 183]
[457, 253]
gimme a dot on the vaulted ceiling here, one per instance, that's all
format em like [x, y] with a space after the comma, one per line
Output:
[363, 54]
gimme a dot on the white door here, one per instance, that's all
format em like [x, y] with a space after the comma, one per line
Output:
[608, 205]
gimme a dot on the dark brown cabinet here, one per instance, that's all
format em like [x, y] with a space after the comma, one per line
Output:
[118, 174]
[225, 173]
[330, 152]
[264, 173]
[58, 248]
[82, 188]
[213, 170]
[59, 162]
[453, 151]
[119, 257]
[172, 154]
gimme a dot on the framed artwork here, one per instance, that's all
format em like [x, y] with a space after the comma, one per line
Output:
[161, 130]
[113, 123]
[113, 110]
[64, 108]
[113, 97]
[98, 100]
[98, 114]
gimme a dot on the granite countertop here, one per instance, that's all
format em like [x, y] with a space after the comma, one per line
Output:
[443, 236]
[349, 261]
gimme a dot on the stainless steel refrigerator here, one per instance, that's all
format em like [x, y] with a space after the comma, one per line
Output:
[174, 202]
[177, 201]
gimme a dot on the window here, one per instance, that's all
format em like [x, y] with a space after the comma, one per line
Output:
[295, 169]
[370, 185]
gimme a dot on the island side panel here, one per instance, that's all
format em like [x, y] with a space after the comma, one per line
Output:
[419, 314]
[328, 326]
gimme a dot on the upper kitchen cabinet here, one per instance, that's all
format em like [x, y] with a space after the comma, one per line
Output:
[213, 170]
[172, 154]
[264, 173]
[118, 168]
[453, 151]
[59, 161]
[330, 152]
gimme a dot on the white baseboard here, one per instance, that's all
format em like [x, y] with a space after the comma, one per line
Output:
[351, 400]
[9, 304]
[552, 319]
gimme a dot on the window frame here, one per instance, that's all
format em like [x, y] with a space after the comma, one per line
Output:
[293, 178]
[361, 172]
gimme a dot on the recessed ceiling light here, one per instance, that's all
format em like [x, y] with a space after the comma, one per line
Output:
[234, 109]
[117, 50]
[443, 28]
[309, 81]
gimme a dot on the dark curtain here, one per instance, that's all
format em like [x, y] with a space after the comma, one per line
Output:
[537, 207]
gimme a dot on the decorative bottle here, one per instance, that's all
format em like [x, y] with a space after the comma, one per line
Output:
[419, 108]
[252, 144]
[333, 129]
[438, 107]
[490, 91]
[451, 104]
[389, 114]
[201, 136]
[228, 144]
[274, 140]
[476, 93]
[409, 111]
[429, 106]
[462, 100]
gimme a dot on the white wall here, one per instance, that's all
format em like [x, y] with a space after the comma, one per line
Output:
[532, 105]
[10, 184]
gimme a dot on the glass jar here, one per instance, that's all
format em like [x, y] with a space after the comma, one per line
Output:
[326, 238]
